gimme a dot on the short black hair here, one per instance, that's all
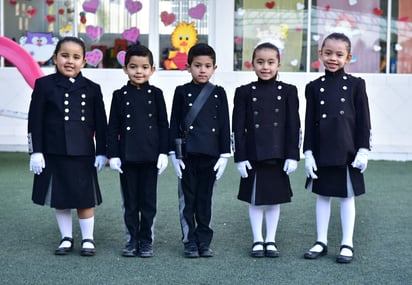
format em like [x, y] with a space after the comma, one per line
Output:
[138, 50]
[201, 49]
[266, 45]
[70, 39]
[338, 36]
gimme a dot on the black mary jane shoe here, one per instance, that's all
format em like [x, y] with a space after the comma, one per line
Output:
[258, 252]
[64, 250]
[270, 252]
[345, 258]
[314, 254]
[88, 251]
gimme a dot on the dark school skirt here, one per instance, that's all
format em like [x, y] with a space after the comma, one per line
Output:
[272, 184]
[334, 181]
[67, 182]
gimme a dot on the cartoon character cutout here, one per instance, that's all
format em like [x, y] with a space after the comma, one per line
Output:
[40, 45]
[183, 38]
[275, 34]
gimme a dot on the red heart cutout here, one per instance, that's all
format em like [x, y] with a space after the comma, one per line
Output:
[403, 19]
[50, 18]
[270, 5]
[327, 8]
[61, 11]
[248, 64]
[49, 2]
[315, 64]
[31, 12]
[12, 2]
[377, 11]
[167, 18]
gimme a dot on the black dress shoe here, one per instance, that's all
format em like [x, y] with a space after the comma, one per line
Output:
[314, 254]
[191, 251]
[64, 250]
[146, 250]
[258, 252]
[88, 251]
[270, 252]
[205, 252]
[345, 258]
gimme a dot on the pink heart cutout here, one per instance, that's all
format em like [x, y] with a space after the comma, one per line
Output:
[133, 6]
[131, 34]
[167, 18]
[198, 11]
[120, 57]
[94, 32]
[94, 57]
[91, 6]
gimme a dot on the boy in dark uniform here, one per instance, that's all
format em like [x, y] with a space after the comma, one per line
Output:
[336, 143]
[137, 147]
[207, 144]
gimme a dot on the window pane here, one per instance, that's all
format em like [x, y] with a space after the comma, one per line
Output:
[279, 22]
[181, 25]
[364, 22]
[401, 37]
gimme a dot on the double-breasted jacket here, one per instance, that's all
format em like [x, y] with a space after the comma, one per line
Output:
[67, 118]
[138, 124]
[337, 121]
[266, 123]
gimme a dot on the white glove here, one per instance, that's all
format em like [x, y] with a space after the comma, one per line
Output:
[241, 167]
[178, 164]
[310, 165]
[37, 162]
[115, 164]
[220, 166]
[361, 160]
[290, 166]
[100, 162]
[162, 162]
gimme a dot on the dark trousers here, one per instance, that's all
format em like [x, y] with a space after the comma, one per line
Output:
[195, 199]
[139, 189]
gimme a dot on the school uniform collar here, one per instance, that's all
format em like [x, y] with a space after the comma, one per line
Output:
[336, 74]
[269, 81]
[145, 85]
[65, 81]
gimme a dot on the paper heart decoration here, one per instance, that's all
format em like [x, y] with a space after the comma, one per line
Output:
[353, 2]
[31, 12]
[49, 2]
[376, 48]
[300, 6]
[94, 32]
[248, 64]
[133, 6]
[12, 2]
[91, 6]
[131, 34]
[315, 64]
[270, 5]
[61, 11]
[298, 29]
[120, 57]
[198, 11]
[403, 19]
[50, 19]
[315, 37]
[94, 57]
[327, 8]
[377, 11]
[238, 40]
[398, 47]
[294, 62]
[240, 11]
[167, 18]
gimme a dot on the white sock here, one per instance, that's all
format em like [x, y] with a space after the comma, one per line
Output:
[256, 220]
[272, 219]
[64, 221]
[87, 228]
[347, 216]
[322, 221]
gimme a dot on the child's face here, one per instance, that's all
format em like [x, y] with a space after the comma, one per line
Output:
[266, 63]
[139, 70]
[69, 59]
[334, 54]
[202, 69]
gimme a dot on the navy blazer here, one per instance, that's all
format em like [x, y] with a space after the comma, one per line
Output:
[67, 118]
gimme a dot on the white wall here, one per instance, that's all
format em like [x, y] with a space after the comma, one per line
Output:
[390, 102]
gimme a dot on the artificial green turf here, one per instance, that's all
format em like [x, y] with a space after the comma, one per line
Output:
[382, 240]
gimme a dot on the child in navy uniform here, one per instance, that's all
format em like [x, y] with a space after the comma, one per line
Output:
[207, 144]
[67, 138]
[137, 147]
[336, 143]
[266, 128]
